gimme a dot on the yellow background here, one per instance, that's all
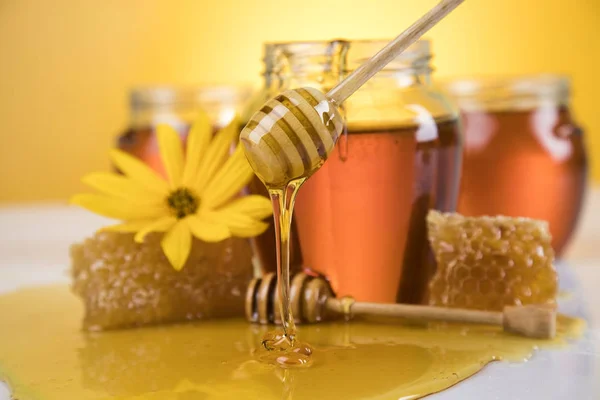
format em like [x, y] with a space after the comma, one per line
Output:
[66, 65]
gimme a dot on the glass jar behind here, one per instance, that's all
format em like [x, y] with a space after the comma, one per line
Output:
[178, 107]
[524, 153]
[361, 218]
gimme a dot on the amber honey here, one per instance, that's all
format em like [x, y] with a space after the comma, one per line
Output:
[525, 163]
[264, 244]
[46, 356]
[362, 217]
[397, 114]
[141, 143]
[524, 154]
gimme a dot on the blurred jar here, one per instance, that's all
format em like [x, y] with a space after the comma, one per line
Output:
[361, 218]
[178, 107]
[524, 153]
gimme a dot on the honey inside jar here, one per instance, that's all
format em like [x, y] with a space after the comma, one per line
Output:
[399, 156]
[178, 107]
[524, 151]
[361, 217]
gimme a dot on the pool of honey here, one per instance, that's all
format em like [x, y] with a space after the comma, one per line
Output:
[45, 355]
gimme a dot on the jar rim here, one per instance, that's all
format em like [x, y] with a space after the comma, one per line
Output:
[508, 91]
[535, 84]
[173, 95]
[355, 52]
[419, 48]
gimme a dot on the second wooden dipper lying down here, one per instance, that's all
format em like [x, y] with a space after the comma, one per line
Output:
[312, 301]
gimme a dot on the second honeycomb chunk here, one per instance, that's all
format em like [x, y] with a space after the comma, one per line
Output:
[487, 263]
[126, 284]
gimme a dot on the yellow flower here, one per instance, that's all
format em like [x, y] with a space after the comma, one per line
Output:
[199, 196]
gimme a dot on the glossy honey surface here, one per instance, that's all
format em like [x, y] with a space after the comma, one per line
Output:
[45, 355]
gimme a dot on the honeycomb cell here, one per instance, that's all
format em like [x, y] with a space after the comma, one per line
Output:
[486, 287]
[525, 291]
[124, 284]
[477, 272]
[495, 272]
[469, 285]
[500, 286]
[487, 263]
[461, 272]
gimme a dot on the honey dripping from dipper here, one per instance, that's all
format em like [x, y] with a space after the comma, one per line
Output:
[286, 142]
[289, 139]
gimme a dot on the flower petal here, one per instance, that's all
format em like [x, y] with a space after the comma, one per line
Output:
[239, 225]
[228, 181]
[119, 186]
[113, 207]
[197, 143]
[216, 154]
[206, 230]
[160, 225]
[138, 171]
[176, 244]
[254, 206]
[126, 227]
[171, 152]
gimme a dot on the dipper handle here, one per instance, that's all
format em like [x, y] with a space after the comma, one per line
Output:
[292, 135]
[313, 301]
[363, 73]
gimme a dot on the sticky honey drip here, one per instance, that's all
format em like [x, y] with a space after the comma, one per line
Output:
[282, 347]
[44, 355]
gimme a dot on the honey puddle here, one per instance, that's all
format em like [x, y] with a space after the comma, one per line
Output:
[45, 355]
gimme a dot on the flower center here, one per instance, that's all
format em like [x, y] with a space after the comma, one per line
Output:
[183, 202]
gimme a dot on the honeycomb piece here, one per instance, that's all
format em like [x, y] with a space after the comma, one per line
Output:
[487, 263]
[126, 284]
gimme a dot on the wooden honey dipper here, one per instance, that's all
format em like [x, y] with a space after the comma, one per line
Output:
[312, 301]
[293, 134]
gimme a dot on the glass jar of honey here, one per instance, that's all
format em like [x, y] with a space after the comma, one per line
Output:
[178, 107]
[360, 219]
[524, 153]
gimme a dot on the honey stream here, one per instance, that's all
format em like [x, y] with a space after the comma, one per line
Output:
[282, 347]
[44, 355]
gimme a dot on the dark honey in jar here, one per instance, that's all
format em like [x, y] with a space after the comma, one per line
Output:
[371, 205]
[360, 219]
[524, 153]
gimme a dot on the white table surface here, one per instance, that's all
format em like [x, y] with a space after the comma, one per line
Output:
[34, 242]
